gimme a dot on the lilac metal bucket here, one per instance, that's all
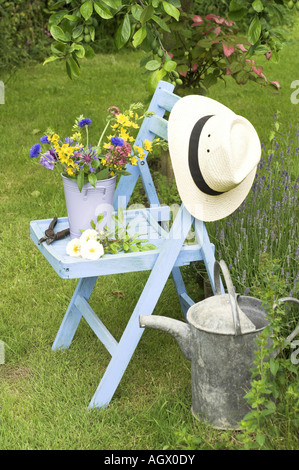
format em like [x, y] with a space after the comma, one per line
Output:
[85, 206]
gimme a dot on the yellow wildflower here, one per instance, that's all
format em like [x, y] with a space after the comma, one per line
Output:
[124, 134]
[77, 136]
[147, 145]
[70, 171]
[139, 151]
[54, 138]
[134, 161]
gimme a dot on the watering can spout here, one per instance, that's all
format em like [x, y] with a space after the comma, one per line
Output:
[178, 329]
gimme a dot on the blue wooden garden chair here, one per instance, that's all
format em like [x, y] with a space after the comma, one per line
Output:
[171, 252]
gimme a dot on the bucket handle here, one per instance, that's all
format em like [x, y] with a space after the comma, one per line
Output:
[231, 291]
[102, 188]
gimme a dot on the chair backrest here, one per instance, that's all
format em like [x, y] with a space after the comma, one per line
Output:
[163, 100]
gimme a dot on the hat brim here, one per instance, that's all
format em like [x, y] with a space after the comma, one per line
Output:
[185, 113]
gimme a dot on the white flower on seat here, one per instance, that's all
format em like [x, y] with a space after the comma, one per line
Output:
[73, 247]
[92, 249]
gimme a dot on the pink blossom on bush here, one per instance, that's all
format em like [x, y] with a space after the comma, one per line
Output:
[228, 50]
[268, 54]
[259, 72]
[276, 83]
[241, 47]
[218, 20]
[197, 20]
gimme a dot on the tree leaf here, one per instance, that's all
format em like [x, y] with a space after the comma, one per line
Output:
[89, 52]
[51, 59]
[58, 34]
[254, 30]
[123, 32]
[257, 6]
[136, 11]
[154, 79]
[114, 4]
[55, 18]
[171, 10]
[86, 10]
[58, 48]
[152, 65]
[146, 14]
[170, 65]
[78, 31]
[139, 36]
[103, 12]
[161, 23]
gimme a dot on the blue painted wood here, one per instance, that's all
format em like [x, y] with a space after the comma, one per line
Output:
[71, 268]
[127, 184]
[96, 325]
[145, 306]
[171, 252]
[73, 316]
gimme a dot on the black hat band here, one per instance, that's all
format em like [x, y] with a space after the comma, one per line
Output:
[193, 158]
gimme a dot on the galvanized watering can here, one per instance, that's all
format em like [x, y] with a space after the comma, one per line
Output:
[220, 339]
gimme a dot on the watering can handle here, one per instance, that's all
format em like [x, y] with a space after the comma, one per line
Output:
[231, 291]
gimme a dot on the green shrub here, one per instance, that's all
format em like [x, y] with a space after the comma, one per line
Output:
[23, 33]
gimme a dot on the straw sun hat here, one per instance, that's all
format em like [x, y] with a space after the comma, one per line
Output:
[214, 154]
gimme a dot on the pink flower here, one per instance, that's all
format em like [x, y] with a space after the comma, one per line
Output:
[251, 61]
[114, 110]
[228, 50]
[227, 72]
[197, 20]
[259, 72]
[276, 84]
[217, 31]
[241, 47]
[211, 16]
[218, 20]
[268, 54]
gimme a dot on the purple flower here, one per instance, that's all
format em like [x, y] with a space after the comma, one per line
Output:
[117, 141]
[84, 122]
[46, 160]
[35, 150]
[44, 140]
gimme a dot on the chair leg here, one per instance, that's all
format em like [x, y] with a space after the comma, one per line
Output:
[145, 306]
[73, 316]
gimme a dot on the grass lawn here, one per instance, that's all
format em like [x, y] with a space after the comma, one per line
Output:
[44, 395]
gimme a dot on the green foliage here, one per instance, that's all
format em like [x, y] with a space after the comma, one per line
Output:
[23, 33]
[120, 239]
[274, 393]
[183, 47]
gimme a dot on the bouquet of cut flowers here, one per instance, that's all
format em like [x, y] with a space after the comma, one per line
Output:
[77, 159]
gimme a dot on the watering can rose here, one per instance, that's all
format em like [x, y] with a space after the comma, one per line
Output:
[77, 159]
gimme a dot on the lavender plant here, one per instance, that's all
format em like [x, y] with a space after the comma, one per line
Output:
[267, 221]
